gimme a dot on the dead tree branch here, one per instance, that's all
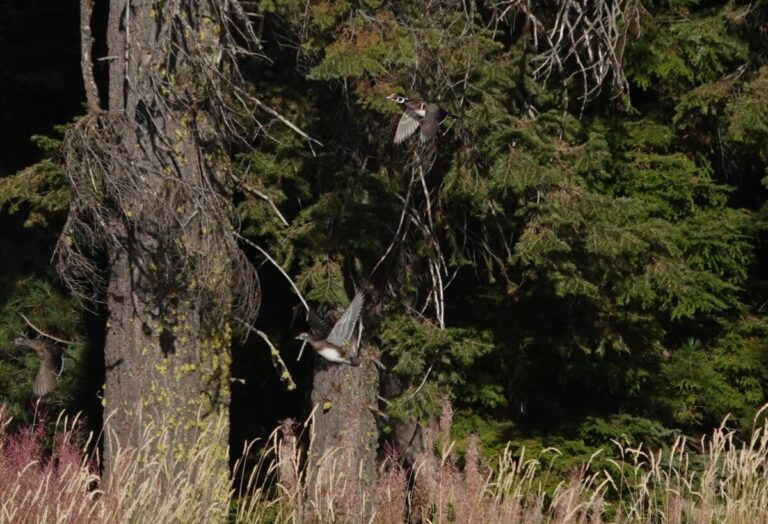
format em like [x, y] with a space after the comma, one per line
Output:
[582, 40]
[86, 62]
[43, 333]
[277, 360]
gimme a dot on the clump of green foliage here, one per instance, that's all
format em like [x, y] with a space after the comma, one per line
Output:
[600, 256]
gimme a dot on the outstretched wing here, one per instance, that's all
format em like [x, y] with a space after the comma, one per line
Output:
[50, 368]
[434, 114]
[343, 329]
[318, 326]
[408, 124]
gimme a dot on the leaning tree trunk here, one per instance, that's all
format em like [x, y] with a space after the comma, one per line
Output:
[345, 438]
[149, 192]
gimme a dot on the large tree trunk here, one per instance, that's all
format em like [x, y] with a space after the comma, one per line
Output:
[345, 438]
[167, 373]
[167, 354]
[148, 187]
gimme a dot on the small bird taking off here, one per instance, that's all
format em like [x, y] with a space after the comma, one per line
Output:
[51, 365]
[418, 113]
[337, 346]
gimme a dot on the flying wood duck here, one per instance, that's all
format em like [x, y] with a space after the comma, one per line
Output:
[336, 346]
[51, 364]
[418, 113]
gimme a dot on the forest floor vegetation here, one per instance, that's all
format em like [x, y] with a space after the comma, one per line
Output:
[721, 478]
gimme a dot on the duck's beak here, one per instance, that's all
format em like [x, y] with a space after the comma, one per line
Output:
[391, 97]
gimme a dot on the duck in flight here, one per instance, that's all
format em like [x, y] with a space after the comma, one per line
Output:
[337, 345]
[418, 113]
[51, 364]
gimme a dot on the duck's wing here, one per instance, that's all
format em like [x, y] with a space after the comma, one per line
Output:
[343, 329]
[434, 114]
[318, 326]
[51, 366]
[408, 124]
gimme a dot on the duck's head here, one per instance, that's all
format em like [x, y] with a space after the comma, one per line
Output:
[398, 98]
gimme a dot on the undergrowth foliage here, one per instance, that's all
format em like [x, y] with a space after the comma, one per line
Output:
[44, 481]
[720, 478]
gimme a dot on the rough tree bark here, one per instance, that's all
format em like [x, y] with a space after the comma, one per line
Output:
[343, 399]
[151, 369]
[149, 191]
[167, 354]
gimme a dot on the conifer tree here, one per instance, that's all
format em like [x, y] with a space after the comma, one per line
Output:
[586, 239]
[150, 193]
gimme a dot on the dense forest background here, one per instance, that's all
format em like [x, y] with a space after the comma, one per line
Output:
[582, 254]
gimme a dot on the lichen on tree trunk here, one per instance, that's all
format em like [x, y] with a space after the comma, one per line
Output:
[167, 349]
[166, 375]
[149, 192]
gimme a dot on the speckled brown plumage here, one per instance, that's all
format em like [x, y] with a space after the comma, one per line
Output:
[51, 364]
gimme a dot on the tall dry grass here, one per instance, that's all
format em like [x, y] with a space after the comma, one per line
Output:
[60, 483]
[725, 481]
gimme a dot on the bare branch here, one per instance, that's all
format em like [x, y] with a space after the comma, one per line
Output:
[43, 333]
[423, 381]
[86, 63]
[277, 266]
[277, 360]
[288, 123]
[586, 39]
[406, 202]
[261, 195]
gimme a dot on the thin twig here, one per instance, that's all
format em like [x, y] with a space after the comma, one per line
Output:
[399, 225]
[277, 360]
[288, 123]
[423, 381]
[277, 266]
[261, 195]
[43, 333]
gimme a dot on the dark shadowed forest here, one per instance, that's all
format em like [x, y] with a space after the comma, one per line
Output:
[554, 214]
